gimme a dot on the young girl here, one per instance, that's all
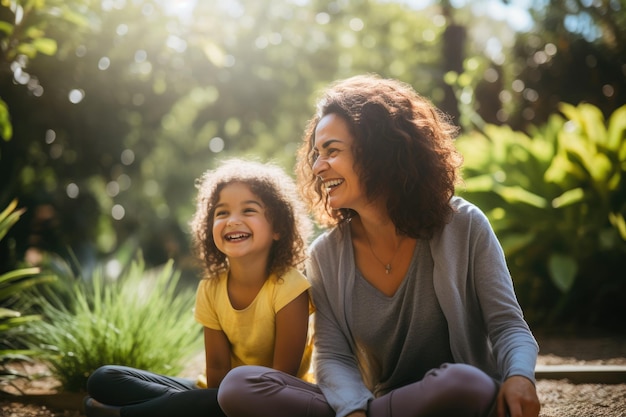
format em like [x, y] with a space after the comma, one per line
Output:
[250, 232]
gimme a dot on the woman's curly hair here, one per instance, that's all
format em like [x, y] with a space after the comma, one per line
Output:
[284, 210]
[403, 151]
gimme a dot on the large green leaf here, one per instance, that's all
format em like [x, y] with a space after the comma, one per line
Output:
[45, 46]
[591, 121]
[563, 269]
[616, 136]
[515, 194]
[6, 27]
[569, 197]
[617, 220]
[6, 129]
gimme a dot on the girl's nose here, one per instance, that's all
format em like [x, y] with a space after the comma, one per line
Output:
[233, 221]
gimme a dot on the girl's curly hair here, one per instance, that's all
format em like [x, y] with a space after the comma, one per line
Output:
[403, 151]
[284, 210]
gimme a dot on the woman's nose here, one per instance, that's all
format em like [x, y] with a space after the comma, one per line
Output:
[319, 166]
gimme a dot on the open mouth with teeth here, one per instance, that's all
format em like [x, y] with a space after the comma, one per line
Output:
[330, 184]
[238, 236]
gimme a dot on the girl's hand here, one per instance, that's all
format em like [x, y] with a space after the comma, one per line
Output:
[518, 395]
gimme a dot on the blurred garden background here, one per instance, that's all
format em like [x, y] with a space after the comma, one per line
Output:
[110, 109]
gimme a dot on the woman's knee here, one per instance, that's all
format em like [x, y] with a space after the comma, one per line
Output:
[450, 390]
[466, 384]
[235, 386]
[260, 391]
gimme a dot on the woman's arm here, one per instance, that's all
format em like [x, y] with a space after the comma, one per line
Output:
[515, 347]
[217, 353]
[292, 323]
[336, 367]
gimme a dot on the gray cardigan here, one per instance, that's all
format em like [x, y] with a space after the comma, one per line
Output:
[473, 287]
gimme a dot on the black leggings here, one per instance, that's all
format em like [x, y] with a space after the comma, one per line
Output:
[141, 393]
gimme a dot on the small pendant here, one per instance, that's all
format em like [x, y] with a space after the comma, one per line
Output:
[387, 269]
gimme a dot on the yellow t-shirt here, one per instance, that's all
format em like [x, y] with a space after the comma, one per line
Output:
[251, 331]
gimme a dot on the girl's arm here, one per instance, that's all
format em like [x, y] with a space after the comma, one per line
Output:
[292, 322]
[217, 353]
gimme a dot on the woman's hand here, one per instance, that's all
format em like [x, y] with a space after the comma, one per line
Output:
[518, 395]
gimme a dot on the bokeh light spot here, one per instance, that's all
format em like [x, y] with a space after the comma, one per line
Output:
[112, 188]
[72, 190]
[104, 63]
[118, 212]
[51, 135]
[76, 96]
[216, 145]
[322, 18]
[608, 90]
[127, 157]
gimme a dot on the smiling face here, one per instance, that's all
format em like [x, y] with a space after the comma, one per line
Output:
[334, 164]
[241, 228]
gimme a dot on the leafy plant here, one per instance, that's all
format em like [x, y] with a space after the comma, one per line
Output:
[140, 319]
[12, 284]
[557, 201]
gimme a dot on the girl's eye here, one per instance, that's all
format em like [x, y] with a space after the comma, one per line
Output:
[250, 210]
[220, 213]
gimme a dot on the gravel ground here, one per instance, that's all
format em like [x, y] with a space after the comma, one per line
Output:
[559, 398]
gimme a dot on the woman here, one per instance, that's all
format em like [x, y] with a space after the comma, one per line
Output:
[415, 309]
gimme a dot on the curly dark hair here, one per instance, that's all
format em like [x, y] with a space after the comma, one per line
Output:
[284, 210]
[403, 151]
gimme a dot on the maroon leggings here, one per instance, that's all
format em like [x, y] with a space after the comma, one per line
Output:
[453, 390]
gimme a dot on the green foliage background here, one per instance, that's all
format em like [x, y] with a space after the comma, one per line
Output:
[109, 110]
[556, 200]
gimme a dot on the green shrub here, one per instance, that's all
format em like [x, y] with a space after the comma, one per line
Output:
[557, 201]
[139, 319]
[12, 285]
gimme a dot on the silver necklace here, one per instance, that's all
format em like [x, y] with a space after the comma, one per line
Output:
[387, 266]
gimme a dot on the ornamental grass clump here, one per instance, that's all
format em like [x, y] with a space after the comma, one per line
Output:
[13, 284]
[140, 319]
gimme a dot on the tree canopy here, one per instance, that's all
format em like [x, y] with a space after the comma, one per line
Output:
[109, 110]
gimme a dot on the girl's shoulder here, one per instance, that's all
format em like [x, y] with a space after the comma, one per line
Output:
[285, 288]
[292, 275]
[212, 283]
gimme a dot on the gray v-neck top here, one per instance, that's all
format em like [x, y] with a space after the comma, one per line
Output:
[393, 353]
